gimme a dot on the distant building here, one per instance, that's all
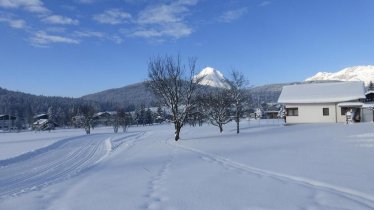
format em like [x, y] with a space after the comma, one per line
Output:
[369, 96]
[7, 122]
[40, 116]
[42, 122]
[324, 102]
[104, 118]
[271, 111]
[271, 114]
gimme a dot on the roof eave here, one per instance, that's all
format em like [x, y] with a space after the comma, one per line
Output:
[318, 101]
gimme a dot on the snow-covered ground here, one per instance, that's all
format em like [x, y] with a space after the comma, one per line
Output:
[13, 144]
[324, 166]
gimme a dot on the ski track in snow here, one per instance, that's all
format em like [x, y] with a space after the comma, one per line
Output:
[363, 199]
[58, 162]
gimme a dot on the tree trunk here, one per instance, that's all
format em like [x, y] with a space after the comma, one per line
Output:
[220, 128]
[237, 119]
[87, 130]
[237, 127]
[177, 130]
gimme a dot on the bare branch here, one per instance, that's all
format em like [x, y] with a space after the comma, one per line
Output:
[174, 90]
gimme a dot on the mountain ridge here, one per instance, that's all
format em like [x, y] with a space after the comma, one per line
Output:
[354, 73]
[213, 78]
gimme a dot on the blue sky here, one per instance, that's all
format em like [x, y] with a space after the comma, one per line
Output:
[77, 47]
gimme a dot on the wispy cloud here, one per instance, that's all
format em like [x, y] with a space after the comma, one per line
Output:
[113, 17]
[12, 22]
[155, 20]
[55, 29]
[88, 34]
[175, 30]
[86, 1]
[84, 34]
[116, 39]
[43, 39]
[35, 6]
[232, 15]
[60, 20]
[164, 20]
[162, 14]
[264, 3]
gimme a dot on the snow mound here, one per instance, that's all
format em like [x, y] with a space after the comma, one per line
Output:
[356, 73]
[213, 78]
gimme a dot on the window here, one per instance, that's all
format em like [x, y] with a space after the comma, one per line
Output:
[292, 111]
[326, 111]
[344, 110]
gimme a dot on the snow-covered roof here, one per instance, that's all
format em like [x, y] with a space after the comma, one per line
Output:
[6, 117]
[40, 116]
[368, 105]
[40, 122]
[323, 92]
[351, 104]
[99, 114]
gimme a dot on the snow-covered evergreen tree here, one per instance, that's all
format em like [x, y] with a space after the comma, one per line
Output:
[258, 113]
[142, 117]
[160, 115]
[51, 119]
[371, 86]
[149, 117]
[19, 121]
[282, 113]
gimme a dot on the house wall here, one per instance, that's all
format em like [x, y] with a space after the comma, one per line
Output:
[313, 113]
[341, 118]
[4, 124]
[367, 115]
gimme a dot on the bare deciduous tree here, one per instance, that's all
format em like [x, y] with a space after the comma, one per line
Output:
[216, 107]
[115, 122]
[175, 86]
[238, 83]
[88, 113]
[123, 120]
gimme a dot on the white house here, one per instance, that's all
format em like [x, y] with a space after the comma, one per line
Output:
[323, 102]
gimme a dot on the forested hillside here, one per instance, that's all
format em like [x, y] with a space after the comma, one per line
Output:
[128, 97]
[25, 105]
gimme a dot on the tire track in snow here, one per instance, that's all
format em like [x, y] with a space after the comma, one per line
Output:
[364, 199]
[57, 162]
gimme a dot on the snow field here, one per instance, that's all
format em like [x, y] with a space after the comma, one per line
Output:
[14, 144]
[264, 167]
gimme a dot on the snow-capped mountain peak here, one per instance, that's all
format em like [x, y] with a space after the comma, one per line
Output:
[356, 73]
[212, 77]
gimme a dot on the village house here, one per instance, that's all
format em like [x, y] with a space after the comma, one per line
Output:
[325, 102]
[104, 118]
[7, 122]
[42, 122]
